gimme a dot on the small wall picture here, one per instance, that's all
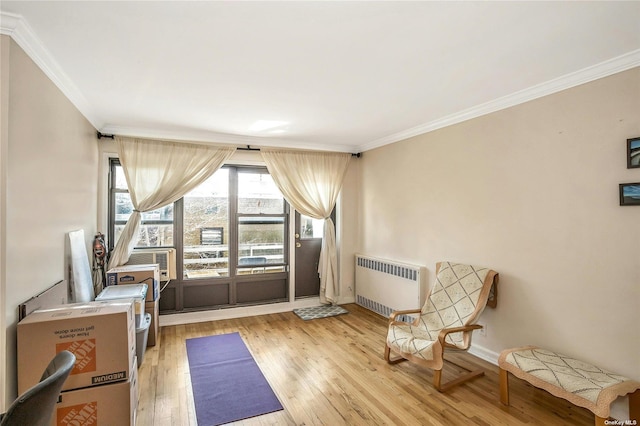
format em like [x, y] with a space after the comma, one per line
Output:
[630, 194]
[633, 153]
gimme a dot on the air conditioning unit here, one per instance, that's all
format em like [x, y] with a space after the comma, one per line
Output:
[165, 257]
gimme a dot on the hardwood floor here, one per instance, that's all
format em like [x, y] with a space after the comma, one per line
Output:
[331, 372]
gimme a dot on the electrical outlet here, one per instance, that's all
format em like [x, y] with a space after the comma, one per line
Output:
[483, 330]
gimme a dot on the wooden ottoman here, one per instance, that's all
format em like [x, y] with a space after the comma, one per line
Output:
[578, 382]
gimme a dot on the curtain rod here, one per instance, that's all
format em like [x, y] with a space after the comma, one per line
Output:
[248, 147]
[102, 135]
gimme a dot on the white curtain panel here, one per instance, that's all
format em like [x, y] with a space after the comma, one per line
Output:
[159, 173]
[311, 182]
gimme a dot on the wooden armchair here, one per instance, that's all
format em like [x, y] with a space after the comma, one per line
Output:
[446, 321]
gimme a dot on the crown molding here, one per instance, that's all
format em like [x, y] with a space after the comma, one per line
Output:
[601, 70]
[19, 30]
[221, 138]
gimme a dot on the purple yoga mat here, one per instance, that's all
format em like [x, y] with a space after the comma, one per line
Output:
[227, 383]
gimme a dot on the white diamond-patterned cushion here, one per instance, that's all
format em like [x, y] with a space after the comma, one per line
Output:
[565, 372]
[411, 340]
[581, 383]
[453, 299]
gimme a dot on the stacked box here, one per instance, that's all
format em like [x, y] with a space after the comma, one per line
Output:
[153, 308]
[137, 274]
[102, 336]
[137, 292]
[113, 404]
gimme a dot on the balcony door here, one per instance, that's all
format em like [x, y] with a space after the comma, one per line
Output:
[308, 244]
[308, 237]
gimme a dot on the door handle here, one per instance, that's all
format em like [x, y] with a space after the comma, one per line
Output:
[298, 245]
[297, 235]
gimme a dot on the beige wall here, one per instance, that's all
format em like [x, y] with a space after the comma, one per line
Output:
[51, 188]
[5, 43]
[531, 191]
[348, 231]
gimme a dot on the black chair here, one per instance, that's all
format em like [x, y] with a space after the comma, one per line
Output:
[36, 405]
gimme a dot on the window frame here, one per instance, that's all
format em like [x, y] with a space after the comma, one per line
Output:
[183, 291]
[113, 190]
[284, 214]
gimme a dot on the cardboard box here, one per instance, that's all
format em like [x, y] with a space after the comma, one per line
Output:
[153, 308]
[137, 274]
[112, 404]
[100, 334]
[137, 292]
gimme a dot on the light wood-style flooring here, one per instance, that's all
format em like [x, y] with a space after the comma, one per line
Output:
[331, 372]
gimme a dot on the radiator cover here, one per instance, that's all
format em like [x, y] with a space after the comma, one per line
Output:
[384, 285]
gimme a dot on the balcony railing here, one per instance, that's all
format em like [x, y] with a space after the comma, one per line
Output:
[204, 261]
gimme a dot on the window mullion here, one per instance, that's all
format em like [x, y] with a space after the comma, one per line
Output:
[233, 221]
[178, 241]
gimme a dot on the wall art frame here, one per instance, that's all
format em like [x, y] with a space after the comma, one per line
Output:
[630, 194]
[633, 153]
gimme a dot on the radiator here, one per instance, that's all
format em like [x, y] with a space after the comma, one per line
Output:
[384, 286]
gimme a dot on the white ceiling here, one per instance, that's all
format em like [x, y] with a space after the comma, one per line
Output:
[344, 76]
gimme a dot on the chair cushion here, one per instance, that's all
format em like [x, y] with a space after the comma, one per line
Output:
[454, 300]
[578, 382]
[407, 339]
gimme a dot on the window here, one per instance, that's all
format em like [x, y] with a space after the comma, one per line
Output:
[204, 209]
[230, 236]
[156, 227]
[211, 236]
[310, 227]
[261, 224]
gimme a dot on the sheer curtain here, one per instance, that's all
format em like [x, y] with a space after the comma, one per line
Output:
[311, 182]
[159, 173]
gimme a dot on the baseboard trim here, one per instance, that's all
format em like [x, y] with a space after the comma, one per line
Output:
[347, 300]
[230, 313]
[484, 354]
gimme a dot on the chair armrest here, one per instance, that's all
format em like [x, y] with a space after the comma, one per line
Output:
[394, 314]
[445, 331]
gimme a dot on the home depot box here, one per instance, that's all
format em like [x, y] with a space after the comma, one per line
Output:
[153, 308]
[137, 292]
[112, 404]
[137, 274]
[100, 334]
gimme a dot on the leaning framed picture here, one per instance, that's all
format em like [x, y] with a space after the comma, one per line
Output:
[633, 153]
[630, 194]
